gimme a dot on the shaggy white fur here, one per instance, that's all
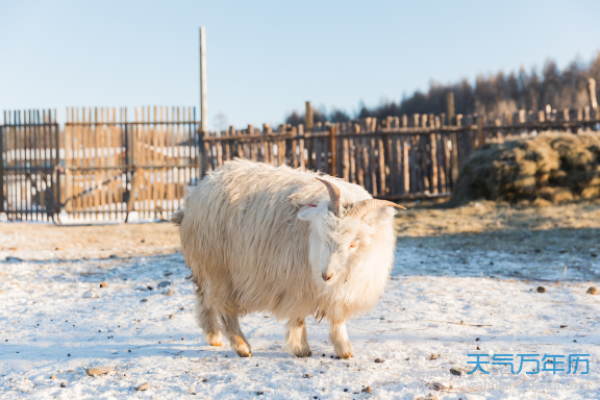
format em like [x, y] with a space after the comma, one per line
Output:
[260, 238]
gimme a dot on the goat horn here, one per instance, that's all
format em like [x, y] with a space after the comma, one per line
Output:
[334, 196]
[364, 207]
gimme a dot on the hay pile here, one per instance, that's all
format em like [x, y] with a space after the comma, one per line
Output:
[549, 168]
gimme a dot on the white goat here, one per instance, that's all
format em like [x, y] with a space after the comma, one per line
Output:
[260, 238]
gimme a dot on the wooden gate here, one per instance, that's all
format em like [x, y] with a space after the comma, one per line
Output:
[115, 168]
[96, 164]
[29, 161]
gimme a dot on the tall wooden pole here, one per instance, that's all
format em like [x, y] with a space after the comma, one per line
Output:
[450, 107]
[203, 115]
[308, 118]
[308, 127]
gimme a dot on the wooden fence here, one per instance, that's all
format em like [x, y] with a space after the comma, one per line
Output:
[394, 158]
[102, 166]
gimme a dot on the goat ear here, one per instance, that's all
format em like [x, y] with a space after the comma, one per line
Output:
[379, 216]
[311, 211]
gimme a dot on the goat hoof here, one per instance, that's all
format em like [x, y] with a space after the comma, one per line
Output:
[244, 352]
[303, 353]
[343, 350]
[215, 340]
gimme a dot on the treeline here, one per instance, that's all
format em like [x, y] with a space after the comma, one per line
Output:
[491, 95]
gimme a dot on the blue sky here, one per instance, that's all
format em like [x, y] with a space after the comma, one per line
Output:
[266, 58]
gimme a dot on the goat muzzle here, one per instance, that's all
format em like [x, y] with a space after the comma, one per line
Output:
[327, 276]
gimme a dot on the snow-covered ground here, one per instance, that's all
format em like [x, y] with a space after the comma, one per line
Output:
[436, 311]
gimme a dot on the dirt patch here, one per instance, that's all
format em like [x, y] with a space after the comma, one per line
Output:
[477, 225]
[547, 169]
[487, 225]
[101, 241]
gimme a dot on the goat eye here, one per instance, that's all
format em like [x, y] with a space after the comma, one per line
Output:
[353, 245]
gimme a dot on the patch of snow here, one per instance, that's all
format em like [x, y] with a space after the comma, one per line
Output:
[47, 328]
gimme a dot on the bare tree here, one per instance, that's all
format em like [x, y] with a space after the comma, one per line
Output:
[492, 94]
[220, 121]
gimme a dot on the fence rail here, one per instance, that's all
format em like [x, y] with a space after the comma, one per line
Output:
[103, 166]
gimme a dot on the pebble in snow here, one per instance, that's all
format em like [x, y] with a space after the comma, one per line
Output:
[457, 371]
[101, 370]
[169, 292]
[541, 289]
[436, 386]
[104, 284]
[63, 385]
[53, 377]
[367, 390]
[592, 290]
[90, 294]
[143, 387]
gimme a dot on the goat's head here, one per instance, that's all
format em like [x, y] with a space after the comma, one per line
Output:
[341, 234]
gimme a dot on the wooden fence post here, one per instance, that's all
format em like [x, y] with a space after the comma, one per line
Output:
[332, 149]
[301, 147]
[345, 155]
[592, 90]
[308, 118]
[450, 107]
[455, 163]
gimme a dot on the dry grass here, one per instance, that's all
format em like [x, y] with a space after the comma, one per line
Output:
[549, 168]
[502, 226]
[91, 241]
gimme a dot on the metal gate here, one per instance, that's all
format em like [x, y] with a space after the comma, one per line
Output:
[101, 167]
[29, 160]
